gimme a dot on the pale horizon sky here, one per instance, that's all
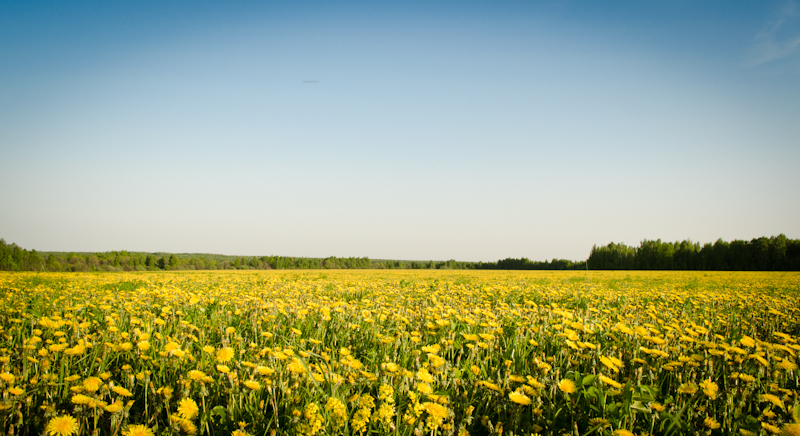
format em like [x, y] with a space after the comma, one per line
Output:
[411, 130]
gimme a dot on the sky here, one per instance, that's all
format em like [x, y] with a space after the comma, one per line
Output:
[417, 130]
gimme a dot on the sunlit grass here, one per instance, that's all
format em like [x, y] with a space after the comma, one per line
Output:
[399, 352]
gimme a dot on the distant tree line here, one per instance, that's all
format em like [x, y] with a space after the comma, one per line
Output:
[14, 258]
[777, 253]
[507, 264]
[422, 264]
[524, 263]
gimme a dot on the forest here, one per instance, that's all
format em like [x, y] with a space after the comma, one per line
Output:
[777, 253]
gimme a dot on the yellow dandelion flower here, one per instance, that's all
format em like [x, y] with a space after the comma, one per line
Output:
[687, 388]
[296, 366]
[624, 329]
[137, 430]
[747, 378]
[711, 423]
[95, 403]
[187, 408]
[122, 391]
[186, 425]
[534, 383]
[529, 390]
[760, 359]
[224, 355]
[197, 374]
[490, 385]
[436, 410]
[114, 407]
[519, 398]
[424, 388]
[432, 348]
[264, 370]
[517, 378]
[252, 384]
[64, 425]
[747, 341]
[790, 430]
[81, 399]
[622, 432]
[567, 386]
[424, 376]
[92, 384]
[609, 381]
[709, 388]
[608, 363]
[55, 348]
[773, 399]
[76, 350]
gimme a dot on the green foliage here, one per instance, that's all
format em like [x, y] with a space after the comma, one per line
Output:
[525, 264]
[777, 253]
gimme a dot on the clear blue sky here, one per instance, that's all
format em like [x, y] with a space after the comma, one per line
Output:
[405, 130]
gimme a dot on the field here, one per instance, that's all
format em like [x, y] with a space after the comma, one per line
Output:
[399, 352]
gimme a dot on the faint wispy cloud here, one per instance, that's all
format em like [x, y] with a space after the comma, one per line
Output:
[780, 38]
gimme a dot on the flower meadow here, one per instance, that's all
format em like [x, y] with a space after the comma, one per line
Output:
[400, 353]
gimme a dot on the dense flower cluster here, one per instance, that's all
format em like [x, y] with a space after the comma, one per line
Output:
[399, 352]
